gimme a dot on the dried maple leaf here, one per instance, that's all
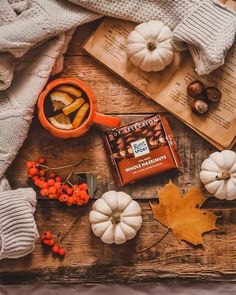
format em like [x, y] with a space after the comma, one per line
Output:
[182, 215]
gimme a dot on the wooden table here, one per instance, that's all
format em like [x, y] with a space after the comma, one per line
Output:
[88, 259]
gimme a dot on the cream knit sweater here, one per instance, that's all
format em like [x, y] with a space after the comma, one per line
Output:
[34, 34]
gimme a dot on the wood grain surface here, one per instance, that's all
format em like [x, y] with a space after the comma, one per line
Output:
[89, 260]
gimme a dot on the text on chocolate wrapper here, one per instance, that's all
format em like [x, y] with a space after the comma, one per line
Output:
[149, 162]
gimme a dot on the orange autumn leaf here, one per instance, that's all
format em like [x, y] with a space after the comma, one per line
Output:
[182, 215]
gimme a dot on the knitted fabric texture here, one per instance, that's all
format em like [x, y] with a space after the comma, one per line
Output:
[18, 231]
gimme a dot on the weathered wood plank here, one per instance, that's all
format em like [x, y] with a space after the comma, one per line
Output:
[91, 261]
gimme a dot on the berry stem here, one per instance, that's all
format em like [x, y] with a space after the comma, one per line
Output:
[61, 167]
[67, 229]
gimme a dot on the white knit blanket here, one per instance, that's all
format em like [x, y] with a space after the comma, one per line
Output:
[34, 34]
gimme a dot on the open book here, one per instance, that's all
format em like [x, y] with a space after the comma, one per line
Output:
[168, 87]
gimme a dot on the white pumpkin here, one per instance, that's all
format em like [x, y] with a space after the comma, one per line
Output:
[115, 217]
[149, 46]
[218, 173]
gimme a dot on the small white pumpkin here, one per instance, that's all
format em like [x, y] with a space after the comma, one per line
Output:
[115, 217]
[218, 173]
[149, 46]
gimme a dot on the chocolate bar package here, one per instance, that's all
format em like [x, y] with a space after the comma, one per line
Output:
[141, 149]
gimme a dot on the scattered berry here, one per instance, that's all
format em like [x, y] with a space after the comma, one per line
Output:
[69, 191]
[47, 235]
[30, 164]
[52, 175]
[61, 252]
[41, 160]
[55, 249]
[63, 198]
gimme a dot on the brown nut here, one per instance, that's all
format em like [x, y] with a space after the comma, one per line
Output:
[199, 107]
[213, 94]
[120, 140]
[121, 146]
[145, 132]
[157, 134]
[153, 141]
[123, 153]
[117, 156]
[130, 150]
[130, 139]
[150, 134]
[158, 127]
[162, 140]
[195, 89]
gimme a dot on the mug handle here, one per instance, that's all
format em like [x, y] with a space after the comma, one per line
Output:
[106, 120]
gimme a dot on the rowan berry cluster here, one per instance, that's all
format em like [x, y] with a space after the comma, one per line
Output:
[47, 239]
[50, 185]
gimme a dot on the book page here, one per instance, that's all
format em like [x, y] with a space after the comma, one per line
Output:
[168, 87]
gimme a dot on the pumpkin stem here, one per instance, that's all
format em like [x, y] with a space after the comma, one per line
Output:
[224, 176]
[151, 46]
[115, 219]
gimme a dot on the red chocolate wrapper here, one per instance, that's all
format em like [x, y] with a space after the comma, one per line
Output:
[141, 149]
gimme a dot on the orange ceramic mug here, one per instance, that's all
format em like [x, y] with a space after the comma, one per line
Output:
[93, 116]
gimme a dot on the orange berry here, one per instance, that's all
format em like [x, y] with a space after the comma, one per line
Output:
[84, 186]
[52, 175]
[30, 175]
[61, 252]
[52, 196]
[65, 186]
[83, 193]
[57, 185]
[69, 191]
[41, 184]
[70, 201]
[41, 160]
[63, 198]
[45, 185]
[55, 249]
[42, 173]
[47, 235]
[35, 177]
[58, 179]
[51, 242]
[33, 170]
[51, 182]
[36, 182]
[52, 190]
[30, 164]
[44, 192]
[80, 202]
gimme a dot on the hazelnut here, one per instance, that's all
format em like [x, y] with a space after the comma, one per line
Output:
[162, 139]
[213, 94]
[130, 150]
[150, 134]
[195, 89]
[117, 156]
[130, 139]
[121, 146]
[120, 140]
[158, 127]
[153, 142]
[145, 132]
[123, 153]
[158, 133]
[199, 107]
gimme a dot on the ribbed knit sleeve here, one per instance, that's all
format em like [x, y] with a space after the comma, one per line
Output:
[209, 32]
[18, 231]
